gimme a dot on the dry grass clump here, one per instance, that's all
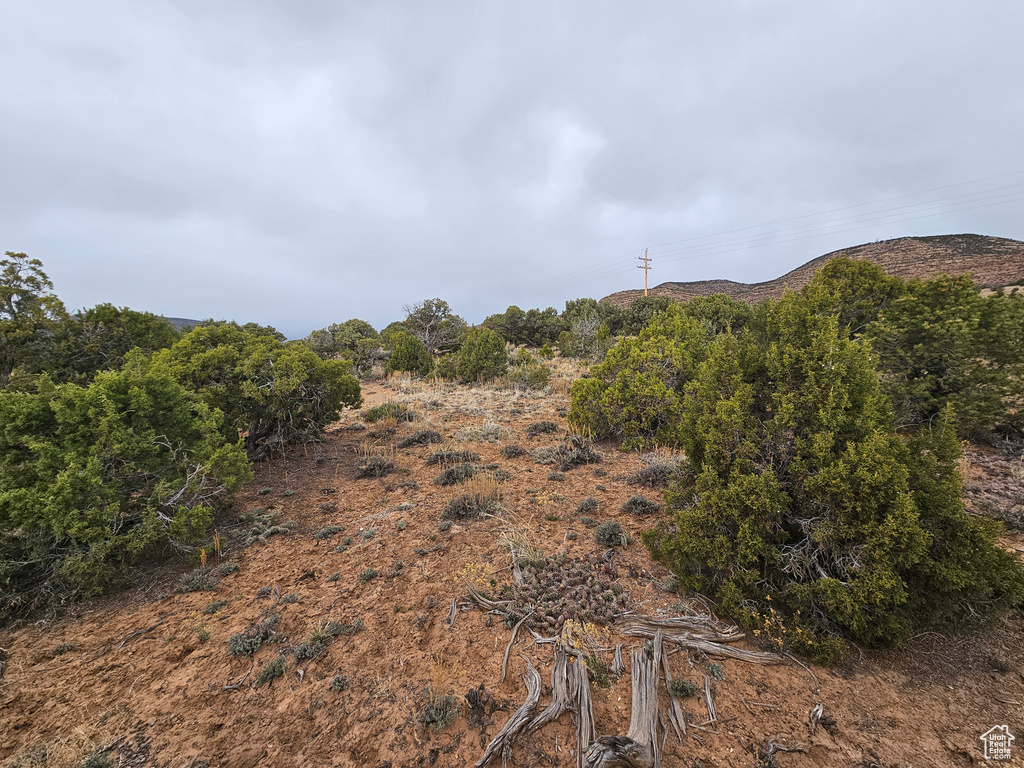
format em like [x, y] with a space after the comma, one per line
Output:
[541, 428]
[575, 452]
[487, 433]
[459, 473]
[389, 410]
[640, 505]
[373, 467]
[439, 708]
[422, 437]
[481, 498]
[448, 457]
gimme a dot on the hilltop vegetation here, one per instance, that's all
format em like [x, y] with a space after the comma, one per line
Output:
[821, 496]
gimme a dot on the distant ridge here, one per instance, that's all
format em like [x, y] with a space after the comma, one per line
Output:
[991, 261]
[182, 323]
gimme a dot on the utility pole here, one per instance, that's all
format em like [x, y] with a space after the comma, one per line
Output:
[646, 266]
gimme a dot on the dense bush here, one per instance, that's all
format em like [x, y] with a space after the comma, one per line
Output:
[93, 478]
[801, 506]
[270, 392]
[410, 355]
[482, 355]
[801, 497]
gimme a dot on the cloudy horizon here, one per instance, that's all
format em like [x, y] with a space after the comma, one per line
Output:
[302, 163]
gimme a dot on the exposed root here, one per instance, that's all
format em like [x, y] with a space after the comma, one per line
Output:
[506, 737]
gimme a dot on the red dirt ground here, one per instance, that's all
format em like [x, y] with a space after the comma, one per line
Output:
[148, 674]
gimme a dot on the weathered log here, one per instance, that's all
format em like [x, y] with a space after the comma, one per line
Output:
[508, 648]
[617, 666]
[506, 737]
[639, 747]
[699, 626]
[711, 648]
[582, 705]
[559, 694]
[675, 712]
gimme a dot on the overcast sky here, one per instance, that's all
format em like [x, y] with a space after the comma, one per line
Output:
[301, 162]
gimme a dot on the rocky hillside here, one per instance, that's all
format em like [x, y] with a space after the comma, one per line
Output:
[992, 261]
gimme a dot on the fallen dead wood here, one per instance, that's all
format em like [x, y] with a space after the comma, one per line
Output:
[559, 694]
[639, 747]
[710, 647]
[508, 648]
[696, 626]
[675, 712]
[709, 700]
[506, 737]
[617, 666]
[582, 705]
[139, 632]
[491, 605]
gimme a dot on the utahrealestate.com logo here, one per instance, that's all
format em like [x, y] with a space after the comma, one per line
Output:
[998, 742]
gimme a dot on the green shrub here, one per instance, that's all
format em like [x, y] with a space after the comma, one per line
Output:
[528, 374]
[640, 505]
[273, 393]
[214, 607]
[226, 569]
[609, 534]
[325, 533]
[482, 355]
[682, 688]
[94, 478]
[198, 580]
[800, 496]
[410, 355]
[445, 368]
[439, 710]
[249, 640]
[368, 574]
[271, 671]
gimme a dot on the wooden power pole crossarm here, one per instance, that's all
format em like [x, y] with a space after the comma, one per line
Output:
[646, 266]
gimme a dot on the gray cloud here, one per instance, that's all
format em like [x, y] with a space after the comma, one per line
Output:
[301, 163]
